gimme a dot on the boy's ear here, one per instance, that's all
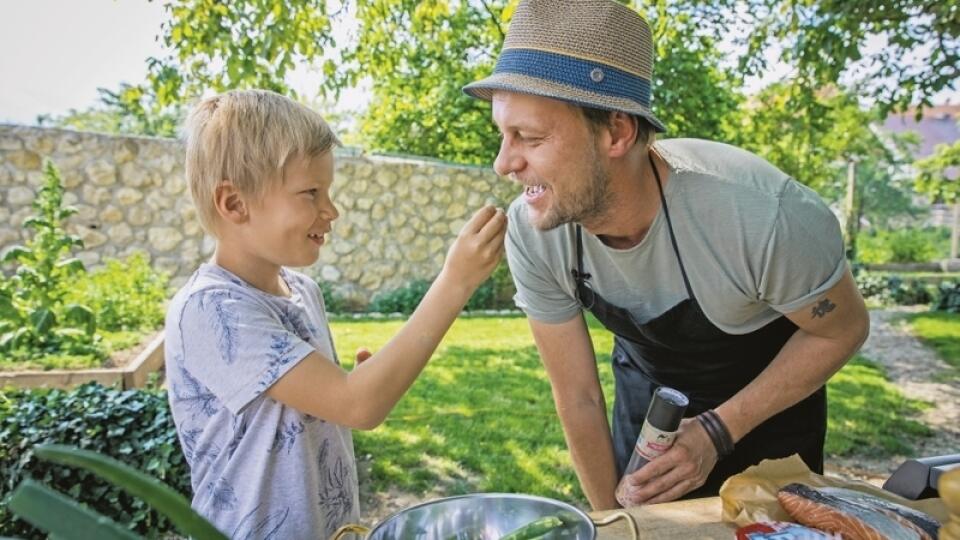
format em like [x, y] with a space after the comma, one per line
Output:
[230, 204]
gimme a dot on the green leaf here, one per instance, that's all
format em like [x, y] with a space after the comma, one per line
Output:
[15, 253]
[8, 311]
[158, 495]
[71, 265]
[81, 316]
[61, 516]
[43, 319]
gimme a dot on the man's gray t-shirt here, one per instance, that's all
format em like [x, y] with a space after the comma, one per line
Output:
[259, 469]
[755, 244]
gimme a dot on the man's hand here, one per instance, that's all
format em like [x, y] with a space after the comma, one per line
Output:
[680, 470]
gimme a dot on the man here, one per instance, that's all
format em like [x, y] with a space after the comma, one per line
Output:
[719, 275]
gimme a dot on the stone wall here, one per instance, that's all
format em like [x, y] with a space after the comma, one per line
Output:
[398, 216]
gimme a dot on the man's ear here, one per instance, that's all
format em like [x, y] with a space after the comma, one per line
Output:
[623, 130]
[230, 204]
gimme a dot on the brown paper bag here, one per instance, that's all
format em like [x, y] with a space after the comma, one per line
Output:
[751, 496]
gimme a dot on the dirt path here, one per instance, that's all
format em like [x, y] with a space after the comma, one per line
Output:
[915, 370]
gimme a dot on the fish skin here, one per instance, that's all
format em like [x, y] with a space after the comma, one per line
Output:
[926, 522]
[854, 521]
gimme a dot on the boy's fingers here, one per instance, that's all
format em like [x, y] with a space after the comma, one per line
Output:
[494, 227]
[479, 219]
[363, 354]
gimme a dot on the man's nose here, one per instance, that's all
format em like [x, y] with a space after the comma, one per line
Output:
[508, 160]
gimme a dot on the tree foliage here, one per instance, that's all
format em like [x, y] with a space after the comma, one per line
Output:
[827, 40]
[419, 54]
[939, 173]
[131, 110]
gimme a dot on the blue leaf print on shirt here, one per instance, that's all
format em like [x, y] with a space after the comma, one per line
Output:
[194, 455]
[336, 496]
[239, 430]
[280, 348]
[192, 394]
[225, 322]
[267, 528]
[336, 490]
[223, 496]
[286, 436]
[292, 320]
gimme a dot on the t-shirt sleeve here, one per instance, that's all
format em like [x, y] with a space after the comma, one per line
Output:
[804, 256]
[539, 294]
[236, 346]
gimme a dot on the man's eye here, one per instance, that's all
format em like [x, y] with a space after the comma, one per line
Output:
[312, 192]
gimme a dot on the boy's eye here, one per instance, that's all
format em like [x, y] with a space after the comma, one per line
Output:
[312, 192]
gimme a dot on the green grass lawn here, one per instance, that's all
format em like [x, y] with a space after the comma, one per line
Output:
[481, 416]
[941, 331]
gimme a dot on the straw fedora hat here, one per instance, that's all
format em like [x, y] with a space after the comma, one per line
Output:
[594, 53]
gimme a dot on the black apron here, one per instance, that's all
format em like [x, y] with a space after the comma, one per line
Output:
[682, 349]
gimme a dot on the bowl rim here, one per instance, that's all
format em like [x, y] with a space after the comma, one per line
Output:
[566, 506]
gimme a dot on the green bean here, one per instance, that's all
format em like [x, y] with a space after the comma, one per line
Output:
[535, 529]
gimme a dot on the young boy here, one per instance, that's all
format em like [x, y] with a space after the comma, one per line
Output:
[262, 407]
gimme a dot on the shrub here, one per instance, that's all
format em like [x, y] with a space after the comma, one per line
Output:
[333, 301]
[892, 289]
[125, 295]
[403, 300]
[948, 297]
[133, 426]
[35, 318]
[494, 293]
[907, 245]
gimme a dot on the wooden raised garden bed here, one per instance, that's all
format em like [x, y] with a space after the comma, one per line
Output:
[133, 374]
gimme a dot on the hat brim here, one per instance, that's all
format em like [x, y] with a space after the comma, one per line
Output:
[523, 84]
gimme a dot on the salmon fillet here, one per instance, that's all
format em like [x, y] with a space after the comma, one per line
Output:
[853, 520]
[918, 518]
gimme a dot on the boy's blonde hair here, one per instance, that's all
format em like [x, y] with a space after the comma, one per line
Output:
[247, 137]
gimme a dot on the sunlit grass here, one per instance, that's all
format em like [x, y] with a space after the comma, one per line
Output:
[942, 332]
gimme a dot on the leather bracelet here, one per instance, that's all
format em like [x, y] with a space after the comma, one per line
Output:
[718, 432]
[722, 430]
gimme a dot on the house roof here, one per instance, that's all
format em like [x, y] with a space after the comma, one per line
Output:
[938, 125]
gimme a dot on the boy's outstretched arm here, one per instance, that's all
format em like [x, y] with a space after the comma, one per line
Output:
[362, 398]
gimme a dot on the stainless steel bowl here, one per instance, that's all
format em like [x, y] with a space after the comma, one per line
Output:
[482, 516]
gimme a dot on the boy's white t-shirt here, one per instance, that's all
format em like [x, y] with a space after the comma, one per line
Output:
[259, 469]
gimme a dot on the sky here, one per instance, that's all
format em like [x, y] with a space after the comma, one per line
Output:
[54, 54]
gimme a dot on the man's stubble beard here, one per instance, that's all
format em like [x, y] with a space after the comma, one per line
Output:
[589, 202]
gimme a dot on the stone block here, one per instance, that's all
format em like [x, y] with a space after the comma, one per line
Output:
[20, 195]
[101, 173]
[24, 160]
[127, 196]
[163, 239]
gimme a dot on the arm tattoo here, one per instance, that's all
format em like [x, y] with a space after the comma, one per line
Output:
[823, 307]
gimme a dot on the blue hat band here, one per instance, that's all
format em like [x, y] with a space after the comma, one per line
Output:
[583, 74]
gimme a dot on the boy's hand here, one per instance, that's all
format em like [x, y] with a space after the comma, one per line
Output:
[478, 247]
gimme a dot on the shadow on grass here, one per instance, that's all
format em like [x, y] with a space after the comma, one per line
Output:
[479, 420]
[868, 416]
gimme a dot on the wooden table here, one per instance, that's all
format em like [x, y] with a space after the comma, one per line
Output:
[699, 518]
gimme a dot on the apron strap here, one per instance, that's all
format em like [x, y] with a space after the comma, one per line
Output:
[580, 277]
[673, 238]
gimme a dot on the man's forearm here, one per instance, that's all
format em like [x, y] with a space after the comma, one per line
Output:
[588, 437]
[802, 366]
